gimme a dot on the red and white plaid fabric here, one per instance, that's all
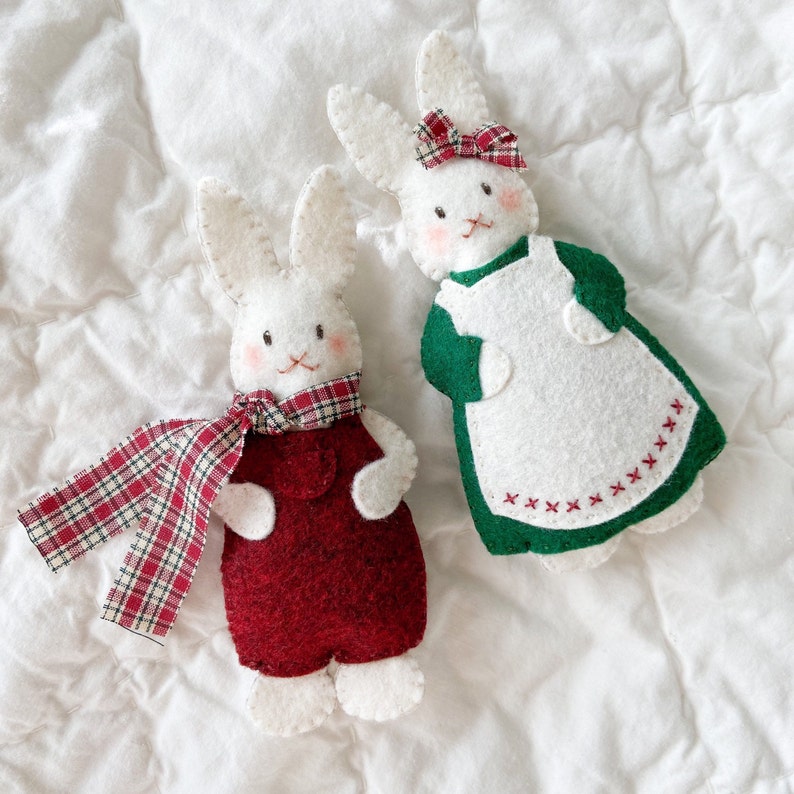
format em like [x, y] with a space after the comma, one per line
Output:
[441, 141]
[166, 475]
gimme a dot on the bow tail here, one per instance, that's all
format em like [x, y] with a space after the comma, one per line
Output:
[102, 500]
[159, 567]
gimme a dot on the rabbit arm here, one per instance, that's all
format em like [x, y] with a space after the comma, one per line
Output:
[380, 485]
[451, 362]
[598, 285]
[247, 509]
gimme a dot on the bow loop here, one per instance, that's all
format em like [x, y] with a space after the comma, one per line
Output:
[441, 141]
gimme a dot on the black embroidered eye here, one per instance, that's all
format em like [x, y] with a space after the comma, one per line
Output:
[440, 212]
[320, 332]
[486, 188]
[267, 338]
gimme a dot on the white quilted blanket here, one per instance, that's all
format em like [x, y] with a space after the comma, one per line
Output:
[659, 133]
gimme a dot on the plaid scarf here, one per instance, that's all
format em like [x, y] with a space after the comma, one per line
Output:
[441, 141]
[166, 475]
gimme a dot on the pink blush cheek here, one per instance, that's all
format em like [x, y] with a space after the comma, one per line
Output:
[253, 356]
[437, 239]
[510, 199]
[338, 344]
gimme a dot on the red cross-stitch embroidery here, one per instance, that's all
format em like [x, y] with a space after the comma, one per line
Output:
[594, 500]
[551, 507]
[676, 406]
[533, 503]
[669, 424]
[511, 498]
[573, 506]
[660, 442]
[634, 475]
[649, 461]
[616, 489]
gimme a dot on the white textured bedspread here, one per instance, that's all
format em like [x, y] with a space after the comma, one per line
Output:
[659, 133]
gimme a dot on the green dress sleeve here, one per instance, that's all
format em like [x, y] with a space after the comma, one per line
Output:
[451, 362]
[598, 285]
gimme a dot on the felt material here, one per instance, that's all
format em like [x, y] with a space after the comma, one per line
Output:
[382, 148]
[380, 690]
[704, 441]
[444, 79]
[327, 582]
[276, 340]
[247, 509]
[290, 706]
[379, 486]
[677, 513]
[560, 327]
[581, 559]
[566, 389]
[583, 325]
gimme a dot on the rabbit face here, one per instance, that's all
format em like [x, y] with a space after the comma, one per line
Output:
[463, 213]
[292, 328]
[293, 337]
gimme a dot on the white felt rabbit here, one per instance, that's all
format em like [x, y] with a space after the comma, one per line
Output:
[321, 563]
[572, 421]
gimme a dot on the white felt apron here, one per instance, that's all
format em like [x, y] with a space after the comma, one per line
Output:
[580, 433]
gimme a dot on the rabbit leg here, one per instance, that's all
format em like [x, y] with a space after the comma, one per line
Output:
[580, 559]
[380, 690]
[677, 513]
[288, 706]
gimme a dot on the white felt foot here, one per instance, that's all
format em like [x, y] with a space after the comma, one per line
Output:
[580, 559]
[288, 706]
[675, 514]
[380, 690]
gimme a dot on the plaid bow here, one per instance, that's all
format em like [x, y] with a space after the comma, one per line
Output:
[166, 475]
[441, 140]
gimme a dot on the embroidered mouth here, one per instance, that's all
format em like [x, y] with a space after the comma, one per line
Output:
[298, 362]
[475, 222]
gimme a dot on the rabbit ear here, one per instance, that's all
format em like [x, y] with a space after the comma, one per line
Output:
[375, 136]
[322, 242]
[233, 239]
[444, 80]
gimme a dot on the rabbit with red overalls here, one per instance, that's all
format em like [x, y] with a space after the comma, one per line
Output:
[572, 422]
[323, 574]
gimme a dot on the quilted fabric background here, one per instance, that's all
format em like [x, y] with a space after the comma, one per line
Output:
[659, 133]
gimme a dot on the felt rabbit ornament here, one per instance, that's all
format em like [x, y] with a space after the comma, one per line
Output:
[572, 422]
[321, 559]
[323, 574]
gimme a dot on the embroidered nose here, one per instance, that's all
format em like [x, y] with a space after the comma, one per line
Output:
[475, 222]
[297, 362]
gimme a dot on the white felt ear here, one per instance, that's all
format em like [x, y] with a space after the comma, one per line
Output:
[233, 239]
[375, 136]
[444, 80]
[323, 238]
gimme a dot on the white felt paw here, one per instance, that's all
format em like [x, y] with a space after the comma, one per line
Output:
[376, 491]
[580, 559]
[288, 706]
[495, 369]
[675, 514]
[583, 325]
[380, 690]
[379, 486]
[247, 509]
